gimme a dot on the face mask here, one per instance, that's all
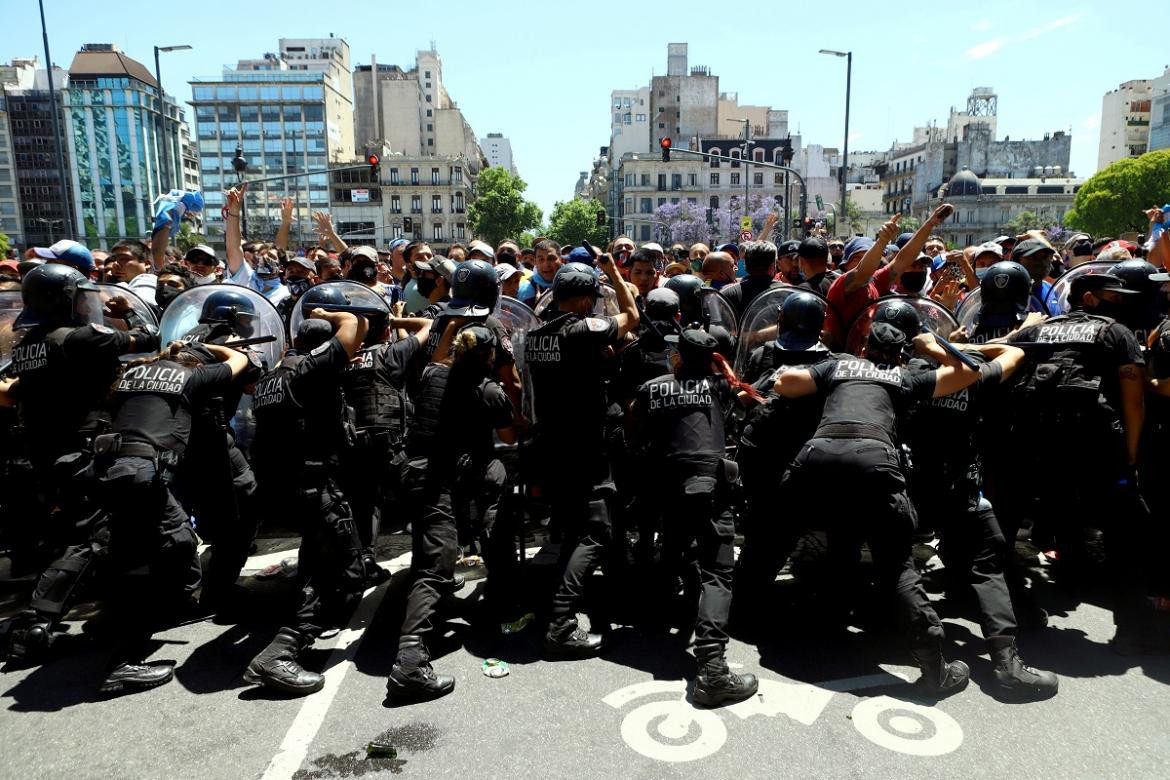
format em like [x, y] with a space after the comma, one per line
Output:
[1056, 269]
[164, 294]
[426, 286]
[269, 285]
[205, 279]
[1117, 311]
[298, 286]
[913, 281]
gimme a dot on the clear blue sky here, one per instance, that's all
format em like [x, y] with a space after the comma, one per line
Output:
[541, 73]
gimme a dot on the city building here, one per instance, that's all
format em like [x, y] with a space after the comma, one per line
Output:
[118, 143]
[629, 130]
[913, 172]
[684, 104]
[291, 112]
[985, 205]
[498, 151]
[1160, 112]
[190, 160]
[416, 197]
[1125, 122]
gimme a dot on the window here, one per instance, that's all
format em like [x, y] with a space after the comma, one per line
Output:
[428, 98]
[393, 175]
[661, 182]
[460, 231]
[457, 176]
[395, 204]
[640, 118]
[758, 155]
[714, 180]
[430, 128]
[676, 181]
[645, 231]
[778, 179]
[426, 74]
[692, 180]
[617, 118]
[645, 180]
[459, 203]
[626, 119]
[736, 156]
[734, 179]
[414, 175]
[430, 142]
[437, 231]
[428, 112]
[662, 201]
[436, 204]
[715, 163]
[434, 175]
[644, 206]
[758, 179]
[415, 204]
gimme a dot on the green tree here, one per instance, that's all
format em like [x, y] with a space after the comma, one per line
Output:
[574, 221]
[854, 217]
[909, 224]
[1022, 222]
[1112, 201]
[187, 237]
[5, 244]
[499, 210]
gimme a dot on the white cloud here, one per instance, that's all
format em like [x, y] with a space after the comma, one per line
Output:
[985, 49]
[1092, 122]
[988, 48]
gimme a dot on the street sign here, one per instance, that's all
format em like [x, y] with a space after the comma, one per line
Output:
[745, 236]
[820, 203]
[745, 223]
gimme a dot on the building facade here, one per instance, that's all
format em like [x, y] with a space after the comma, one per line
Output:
[498, 151]
[1125, 122]
[422, 197]
[118, 144]
[1160, 112]
[985, 206]
[290, 113]
[684, 104]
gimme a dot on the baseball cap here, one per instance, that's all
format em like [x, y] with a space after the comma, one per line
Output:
[10, 266]
[855, 245]
[504, 272]
[397, 244]
[312, 334]
[68, 252]
[1104, 283]
[363, 252]
[1030, 247]
[731, 249]
[696, 344]
[581, 255]
[439, 265]
[788, 248]
[886, 338]
[199, 253]
[989, 246]
[903, 239]
[654, 247]
[662, 304]
[303, 263]
[485, 250]
[1001, 240]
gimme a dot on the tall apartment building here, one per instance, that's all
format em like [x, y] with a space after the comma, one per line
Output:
[498, 151]
[629, 130]
[1125, 122]
[684, 105]
[119, 143]
[1160, 112]
[291, 112]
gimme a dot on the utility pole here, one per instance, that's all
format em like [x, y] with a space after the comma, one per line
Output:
[165, 171]
[848, 55]
[65, 186]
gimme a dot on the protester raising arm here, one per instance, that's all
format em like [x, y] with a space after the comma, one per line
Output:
[872, 259]
[627, 316]
[909, 253]
[286, 209]
[327, 234]
[232, 238]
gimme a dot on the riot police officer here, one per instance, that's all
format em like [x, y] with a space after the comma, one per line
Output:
[65, 364]
[451, 466]
[773, 433]
[1004, 293]
[300, 431]
[216, 483]
[1083, 395]
[853, 455]
[1140, 313]
[564, 357]
[686, 287]
[681, 418]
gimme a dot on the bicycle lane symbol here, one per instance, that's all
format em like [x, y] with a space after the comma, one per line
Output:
[673, 730]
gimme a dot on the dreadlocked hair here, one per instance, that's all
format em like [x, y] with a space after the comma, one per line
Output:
[733, 380]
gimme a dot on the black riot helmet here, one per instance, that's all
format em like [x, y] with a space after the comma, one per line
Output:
[801, 320]
[573, 279]
[474, 290]
[687, 287]
[231, 308]
[1005, 287]
[1136, 275]
[899, 314]
[662, 305]
[322, 295]
[53, 295]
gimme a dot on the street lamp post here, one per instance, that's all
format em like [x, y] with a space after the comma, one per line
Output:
[57, 142]
[848, 55]
[162, 107]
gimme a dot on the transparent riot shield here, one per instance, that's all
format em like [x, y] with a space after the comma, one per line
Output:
[932, 316]
[518, 319]
[145, 312]
[182, 317]
[606, 305]
[354, 294]
[1057, 298]
[758, 326]
[10, 307]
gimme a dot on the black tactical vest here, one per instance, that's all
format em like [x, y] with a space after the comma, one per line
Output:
[377, 405]
[423, 434]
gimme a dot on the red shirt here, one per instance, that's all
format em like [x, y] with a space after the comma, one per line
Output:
[845, 306]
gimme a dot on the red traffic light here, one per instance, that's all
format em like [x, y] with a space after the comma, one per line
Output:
[664, 142]
[372, 159]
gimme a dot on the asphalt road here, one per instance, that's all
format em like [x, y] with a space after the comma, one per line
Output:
[829, 705]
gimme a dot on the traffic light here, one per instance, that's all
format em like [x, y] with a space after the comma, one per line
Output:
[664, 142]
[374, 162]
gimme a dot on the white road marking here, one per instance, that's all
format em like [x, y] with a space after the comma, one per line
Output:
[304, 728]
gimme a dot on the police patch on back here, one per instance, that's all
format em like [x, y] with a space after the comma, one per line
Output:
[676, 394]
[1070, 331]
[857, 369]
[29, 357]
[543, 348]
[159, 378]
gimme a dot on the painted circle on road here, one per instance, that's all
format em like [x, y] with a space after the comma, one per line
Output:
[907, 728]
[673, 720]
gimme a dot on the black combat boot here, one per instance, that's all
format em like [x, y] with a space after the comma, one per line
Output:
[375, 574]
[276, 666]
[131, 677]
[412, 678]
[567, 641]
[1013, 679]
[716, 684]
[938, 676]
[26, 640]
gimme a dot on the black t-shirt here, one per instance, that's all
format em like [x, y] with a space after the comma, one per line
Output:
[565, 360]
[867, 397]
[152, 403]
[683, 415]
[820, 283]
[740, 294]
[65, 377]
[1104, 344]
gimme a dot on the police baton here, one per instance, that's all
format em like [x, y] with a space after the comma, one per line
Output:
[249, 342]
